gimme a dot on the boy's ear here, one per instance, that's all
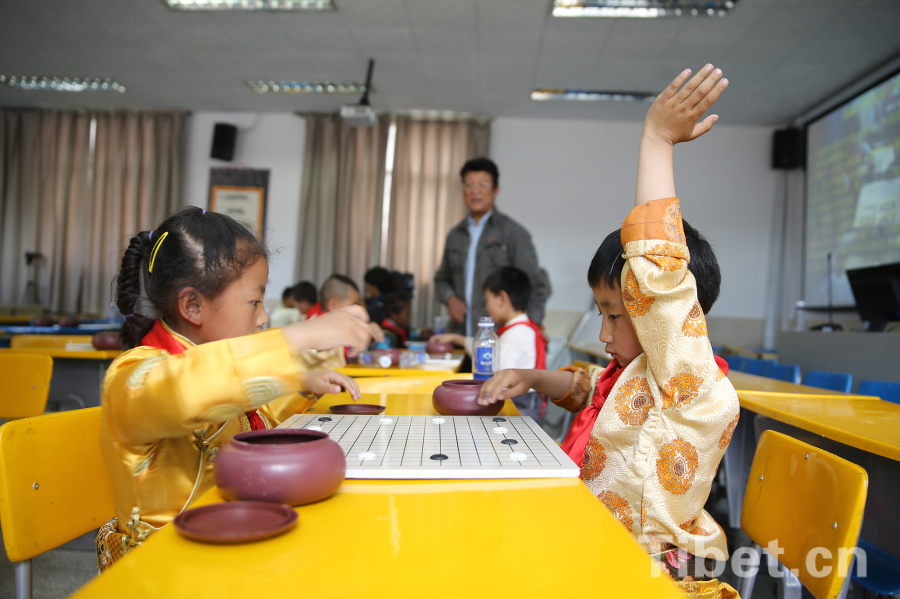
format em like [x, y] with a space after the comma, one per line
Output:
[505, 297]
[330, 304]
[190, 304]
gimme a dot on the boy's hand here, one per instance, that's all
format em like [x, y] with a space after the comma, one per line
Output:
[328, 381]
[506, 384]
[454, 338]
[674, 114]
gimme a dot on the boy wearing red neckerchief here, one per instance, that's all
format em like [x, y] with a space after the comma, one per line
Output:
[653, 426]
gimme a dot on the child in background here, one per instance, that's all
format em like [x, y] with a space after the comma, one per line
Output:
[305, 296]
[398, 310]
[653, 426]
[507, 291]
[379, 282]
[193, 374]
[287, 312]
[338, 292]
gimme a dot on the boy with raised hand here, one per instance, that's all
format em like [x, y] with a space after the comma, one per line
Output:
[654, 425]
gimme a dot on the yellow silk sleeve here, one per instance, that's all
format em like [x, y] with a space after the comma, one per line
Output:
[150, 395]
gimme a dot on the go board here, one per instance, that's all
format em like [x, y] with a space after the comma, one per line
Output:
[441, 447]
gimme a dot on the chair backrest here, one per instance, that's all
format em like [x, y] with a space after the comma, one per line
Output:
[886, 390]
[784, 372]
[806, 499]
[53, 482]
[425, 383]
[757, 366]
[836, 381]
[60, 341]
[736, 362]
[26, 383]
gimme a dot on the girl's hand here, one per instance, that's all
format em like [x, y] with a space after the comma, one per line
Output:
[328, 381]
[345, 327]
[674, 114]
[504, 385]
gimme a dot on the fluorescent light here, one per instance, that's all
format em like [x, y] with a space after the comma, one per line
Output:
[584, 95]
[62, 84]
[306, 87]
[646, 9]
[252, 5]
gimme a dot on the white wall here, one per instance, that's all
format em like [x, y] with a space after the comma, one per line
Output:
[571, 182]
[273, 141]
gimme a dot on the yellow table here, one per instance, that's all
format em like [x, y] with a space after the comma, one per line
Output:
[361, 371]
[77, 375]
[436, 539]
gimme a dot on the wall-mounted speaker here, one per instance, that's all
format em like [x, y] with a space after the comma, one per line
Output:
[788, 149]
[224, 136]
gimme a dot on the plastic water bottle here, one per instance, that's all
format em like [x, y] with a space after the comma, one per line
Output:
[438, 325]
[486, 348]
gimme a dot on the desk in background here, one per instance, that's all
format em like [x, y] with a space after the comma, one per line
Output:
[409, 538]
[75, 373]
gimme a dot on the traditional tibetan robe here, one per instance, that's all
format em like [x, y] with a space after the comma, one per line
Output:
[168, 406]
[654, 448]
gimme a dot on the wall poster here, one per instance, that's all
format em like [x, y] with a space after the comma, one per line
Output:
[240, 193]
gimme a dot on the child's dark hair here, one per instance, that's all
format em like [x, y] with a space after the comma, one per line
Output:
[305, 291]
[338, 286]
[481, 165]
[606, 267]
[514, 282]
[193, 248]
[288, 293]
[381, 278]
[395, 302]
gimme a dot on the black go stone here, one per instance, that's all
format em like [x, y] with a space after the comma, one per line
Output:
[324, 419]
[509, 441]
[439, 457]
[499, 419]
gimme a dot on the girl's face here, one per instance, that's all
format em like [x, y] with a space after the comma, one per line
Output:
[239, 309]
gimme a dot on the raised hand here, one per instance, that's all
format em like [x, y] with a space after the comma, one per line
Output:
[345, 327]
[675, 113]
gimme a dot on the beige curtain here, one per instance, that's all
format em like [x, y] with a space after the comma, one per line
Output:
[427, 199]
[76, 186]
[341, 198]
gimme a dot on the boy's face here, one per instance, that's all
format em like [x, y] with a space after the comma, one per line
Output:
[617, 332]
[497, 306]
[336, 303]
[371, 291]
[403, 316]
[303, 306]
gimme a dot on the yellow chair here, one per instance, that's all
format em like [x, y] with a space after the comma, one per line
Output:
[53, 485]
[424, 383]
[26, 383]
[60, 341]
[810, 503]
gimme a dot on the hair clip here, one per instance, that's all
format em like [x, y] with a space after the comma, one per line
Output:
[150, 236]
[129, 315]
[204, 212]
[156, 249]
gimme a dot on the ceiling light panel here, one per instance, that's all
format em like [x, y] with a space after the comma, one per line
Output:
[252, 5]
[583, 95]
[62, 84]
[306, 87]
[643, 8]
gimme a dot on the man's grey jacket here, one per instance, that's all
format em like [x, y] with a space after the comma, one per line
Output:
[504, 242]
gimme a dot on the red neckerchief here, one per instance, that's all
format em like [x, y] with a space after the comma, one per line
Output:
[316, 310]
[389, 324]
[540, 361]
[577, 439]
[160, 338]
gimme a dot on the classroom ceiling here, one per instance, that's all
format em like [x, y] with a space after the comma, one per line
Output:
[466, 56]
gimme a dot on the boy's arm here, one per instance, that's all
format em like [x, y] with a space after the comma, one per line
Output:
[512, 383]
[673, 118]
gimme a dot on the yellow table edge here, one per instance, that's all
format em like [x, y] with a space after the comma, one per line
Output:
[58, 352]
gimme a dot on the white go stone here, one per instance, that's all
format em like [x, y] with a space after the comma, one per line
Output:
[385, 421]
[313, 428]
[438, 420]
[518, 456]
[500, 430]
[366, 455]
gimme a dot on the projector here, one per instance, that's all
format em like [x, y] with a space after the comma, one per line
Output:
[359, 115]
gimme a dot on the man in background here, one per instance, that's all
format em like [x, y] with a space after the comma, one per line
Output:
[484, 241]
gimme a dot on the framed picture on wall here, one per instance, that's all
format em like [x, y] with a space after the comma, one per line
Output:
[241, 194]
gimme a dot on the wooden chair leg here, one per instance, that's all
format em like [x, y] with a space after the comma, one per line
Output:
[749, 581]
[23, 579]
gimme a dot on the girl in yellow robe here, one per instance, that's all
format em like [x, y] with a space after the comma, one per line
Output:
[194, 373]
